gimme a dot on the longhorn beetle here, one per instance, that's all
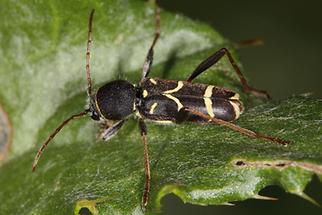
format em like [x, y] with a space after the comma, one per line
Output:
[164, 101]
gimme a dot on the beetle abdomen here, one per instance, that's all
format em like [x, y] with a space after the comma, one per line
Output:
[163, 100]
[165, 108]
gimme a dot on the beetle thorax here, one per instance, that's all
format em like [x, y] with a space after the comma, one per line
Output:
[115, 100]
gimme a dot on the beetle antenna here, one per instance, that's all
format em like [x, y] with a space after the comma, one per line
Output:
[88, 53]
[52, 135]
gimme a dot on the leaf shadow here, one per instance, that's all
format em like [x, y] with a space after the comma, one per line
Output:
[169, 64]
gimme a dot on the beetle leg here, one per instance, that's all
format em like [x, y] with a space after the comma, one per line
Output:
[109, 132]
[213, 59]
[146, 191]
[241, 130]
[149, 58]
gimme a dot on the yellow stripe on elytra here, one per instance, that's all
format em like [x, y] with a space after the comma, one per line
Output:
[235, 97]
[207, 99]
[153, 81]
[208, 91]
[208, 104]
[236, 109]
[153, 107]
[177, 101]
[179, 86]
[176, 89]
[145, 93]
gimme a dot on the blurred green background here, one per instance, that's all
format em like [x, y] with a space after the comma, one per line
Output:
[290, 62]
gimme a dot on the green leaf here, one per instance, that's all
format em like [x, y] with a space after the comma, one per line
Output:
[42, 81]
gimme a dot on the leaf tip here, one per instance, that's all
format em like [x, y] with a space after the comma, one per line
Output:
[265, 197]
[308, 198]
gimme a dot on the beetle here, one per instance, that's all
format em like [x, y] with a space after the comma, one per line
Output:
[162, 101]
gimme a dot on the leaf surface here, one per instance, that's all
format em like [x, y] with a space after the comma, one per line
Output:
[42, 81]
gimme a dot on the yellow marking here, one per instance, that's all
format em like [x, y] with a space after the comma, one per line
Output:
[177, 101]
[153, 107]
[207, 99]
[98, 110]
[134, 108]
[208, 91]
[179, 86]
[166, 122]
[235, 97]
[145, 93]
[153, 81]
[236, 109]
[208, 104]
[137, 113]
